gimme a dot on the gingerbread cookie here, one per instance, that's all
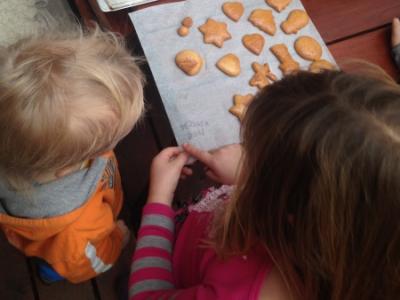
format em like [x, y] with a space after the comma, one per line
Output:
[319, 66]
[254, 42]
[262, 75]
[215, 32]
[233, 10]
[189, 62]
[296, 20]
[240, 105]
[288, 64]
[308, 48]
[229, 64]
[278, 5]
[263, 20]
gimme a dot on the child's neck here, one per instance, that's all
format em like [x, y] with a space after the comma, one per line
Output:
[51, 176]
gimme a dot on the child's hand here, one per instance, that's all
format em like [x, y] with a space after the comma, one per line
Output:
[165, 171]
[222, 163]
[126, 234]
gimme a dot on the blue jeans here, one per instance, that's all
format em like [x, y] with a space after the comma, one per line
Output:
[47, 273]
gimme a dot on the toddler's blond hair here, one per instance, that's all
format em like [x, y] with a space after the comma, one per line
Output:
[64, 98]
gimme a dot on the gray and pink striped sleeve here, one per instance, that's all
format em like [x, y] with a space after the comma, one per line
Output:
[151, 270]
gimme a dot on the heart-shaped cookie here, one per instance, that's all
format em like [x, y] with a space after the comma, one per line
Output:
[233, 10]
[254, 42]
[229, 64]
[189, 62]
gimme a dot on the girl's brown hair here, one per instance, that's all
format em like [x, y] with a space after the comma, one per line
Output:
[320, 185]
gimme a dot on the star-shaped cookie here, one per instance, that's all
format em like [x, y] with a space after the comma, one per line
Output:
[240, 105]
[215, 32]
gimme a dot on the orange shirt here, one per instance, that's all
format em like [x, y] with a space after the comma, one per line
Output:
[79, 244]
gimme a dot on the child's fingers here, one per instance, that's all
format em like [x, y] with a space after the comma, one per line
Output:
[187, 171]
[204, 156]
[181, 159]
[212, 175]
[170, 152]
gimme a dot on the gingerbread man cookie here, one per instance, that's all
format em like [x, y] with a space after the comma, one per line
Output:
[215, 32]
[240, 105]
[233, 10]
[296, 20]
[254, 42]
[229, 64]
[278, 5]
[288, 64]
[319, 66]
[263, 20]
[189, 62]
[262, 75]
[308, 48]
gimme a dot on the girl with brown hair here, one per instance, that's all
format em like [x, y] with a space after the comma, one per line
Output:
[315, 211]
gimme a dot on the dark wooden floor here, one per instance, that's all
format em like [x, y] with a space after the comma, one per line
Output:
[357, 28]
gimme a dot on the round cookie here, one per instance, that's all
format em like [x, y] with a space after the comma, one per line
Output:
[189, 62]
[183, 31]
[187, 22]
[308, 48]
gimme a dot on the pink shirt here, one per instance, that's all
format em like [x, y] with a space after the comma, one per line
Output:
[187, 268]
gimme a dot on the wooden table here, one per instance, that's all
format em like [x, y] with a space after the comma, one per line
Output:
[356, 28]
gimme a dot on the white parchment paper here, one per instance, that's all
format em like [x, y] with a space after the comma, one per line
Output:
[197, 106]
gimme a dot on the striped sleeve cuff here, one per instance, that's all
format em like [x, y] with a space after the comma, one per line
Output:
[151, 269]
[158, 208]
